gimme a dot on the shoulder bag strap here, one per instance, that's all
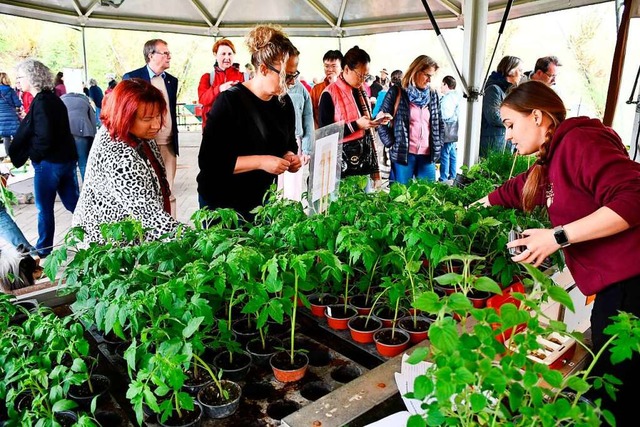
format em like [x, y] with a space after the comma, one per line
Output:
[250, 109]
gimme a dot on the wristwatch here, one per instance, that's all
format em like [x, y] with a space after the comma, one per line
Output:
[561, 237]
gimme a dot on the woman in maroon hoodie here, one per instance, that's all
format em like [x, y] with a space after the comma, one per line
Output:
[591, 188]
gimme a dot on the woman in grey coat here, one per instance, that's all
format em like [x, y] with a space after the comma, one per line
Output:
[82, 121]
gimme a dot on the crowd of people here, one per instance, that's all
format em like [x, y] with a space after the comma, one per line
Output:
[259, 125]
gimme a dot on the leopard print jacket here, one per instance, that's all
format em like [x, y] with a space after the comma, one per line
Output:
[120, 184]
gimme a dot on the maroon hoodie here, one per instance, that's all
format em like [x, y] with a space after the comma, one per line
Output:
[588, 167]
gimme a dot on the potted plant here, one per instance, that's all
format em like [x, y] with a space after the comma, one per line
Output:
[391, 341]
[220, 399]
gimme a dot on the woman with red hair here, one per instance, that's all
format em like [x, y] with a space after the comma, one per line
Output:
[125, 176]
[224, 76]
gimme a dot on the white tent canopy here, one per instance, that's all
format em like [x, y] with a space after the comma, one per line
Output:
[226, 18]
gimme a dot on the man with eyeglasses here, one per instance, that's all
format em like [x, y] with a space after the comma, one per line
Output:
[332, 66]
[545, 71]
[158, 59]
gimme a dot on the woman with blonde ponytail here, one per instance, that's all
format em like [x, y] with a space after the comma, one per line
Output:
[249, 137]
[591, 189]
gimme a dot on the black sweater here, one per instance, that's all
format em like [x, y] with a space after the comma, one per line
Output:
[231, 131]
[44, 133]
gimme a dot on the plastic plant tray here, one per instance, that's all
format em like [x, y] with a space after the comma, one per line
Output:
[265, 401]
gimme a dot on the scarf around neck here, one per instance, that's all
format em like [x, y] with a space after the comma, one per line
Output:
[419, 97]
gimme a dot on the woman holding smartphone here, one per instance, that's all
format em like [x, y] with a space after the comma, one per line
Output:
[414, 139]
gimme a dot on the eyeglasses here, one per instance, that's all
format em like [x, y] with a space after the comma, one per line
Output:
[167, 53]
[363, 77]
[287, 77]
[551, 76]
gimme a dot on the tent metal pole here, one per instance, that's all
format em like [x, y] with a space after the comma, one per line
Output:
[84, 56]
[475, 15]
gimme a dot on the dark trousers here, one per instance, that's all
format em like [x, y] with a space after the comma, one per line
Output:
[621, 296]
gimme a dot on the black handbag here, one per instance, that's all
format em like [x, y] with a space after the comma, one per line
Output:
[450, 131]
[359, 157]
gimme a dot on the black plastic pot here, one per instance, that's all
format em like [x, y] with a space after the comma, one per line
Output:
[216, 406]
[262, 355]
[83, 395]
[188, 419]
[233, 369]
[28, 305]
[244, 330]
[192, 385]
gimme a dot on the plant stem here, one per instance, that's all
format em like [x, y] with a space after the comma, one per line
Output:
[177, 404]
[293, 315]
[346, 294]
[211, 374]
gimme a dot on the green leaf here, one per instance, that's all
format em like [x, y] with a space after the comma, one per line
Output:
[444, 336]
[418, 355]
[558, 294]
[578, 384]
[63, 405]
[192, 327]
[422, 387]
[478, 402]
[487, 284]
[416, 421]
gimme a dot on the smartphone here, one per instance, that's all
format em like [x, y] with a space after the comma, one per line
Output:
[517, 250]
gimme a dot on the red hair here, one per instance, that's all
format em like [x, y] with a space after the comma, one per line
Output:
[120, 108]
[223, 42]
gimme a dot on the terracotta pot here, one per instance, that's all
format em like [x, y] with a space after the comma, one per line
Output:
[361, 333]
[319, 302]
[216, 406]
[388, 346]
[385, 314]
[443, 289]
[286, 372]
[418, 331]
[338, 317]
[359, 303]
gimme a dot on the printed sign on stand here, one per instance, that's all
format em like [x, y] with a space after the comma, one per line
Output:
[325, 168]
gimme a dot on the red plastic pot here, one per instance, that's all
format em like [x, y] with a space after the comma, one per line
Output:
[417, 333]
[319, 303]
[284, 371]
[385, 314]
[361, 333]
[388, 346]
[338, 317]
[358, 302]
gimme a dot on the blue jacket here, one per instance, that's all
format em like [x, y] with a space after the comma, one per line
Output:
[172, 89]
[396, 135]
[96, 95]
[9, 102]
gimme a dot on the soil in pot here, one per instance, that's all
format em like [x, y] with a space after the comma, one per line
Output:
[417, 328]
[284, 370]
[83, 394]
[245, 331]
[319, 302]
[315, 390]
[196, 380]
[346, 373]
[361, 303]
[338, 316]
[233, 368]
[385, 314]
[216, 405]
[110, 418]
[188, 419]
[362, 328]
[390, 343]
[260, 354]
[280, 409]
[66, 418]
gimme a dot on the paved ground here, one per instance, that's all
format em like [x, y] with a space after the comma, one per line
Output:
[185, 190]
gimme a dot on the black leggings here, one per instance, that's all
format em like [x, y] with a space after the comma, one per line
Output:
[621, 296]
